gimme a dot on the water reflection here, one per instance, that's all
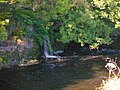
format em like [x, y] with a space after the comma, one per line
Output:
[73, 76]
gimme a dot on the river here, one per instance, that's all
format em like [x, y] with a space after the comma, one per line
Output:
[74, 75]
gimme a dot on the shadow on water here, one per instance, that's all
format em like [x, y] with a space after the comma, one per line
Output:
[75, 75]
[78, 74]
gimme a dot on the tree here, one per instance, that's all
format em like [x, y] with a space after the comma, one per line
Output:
[73, 20]
[82, 26]
[108, 9]
[4, 21]
[3, 33]
[78, 23]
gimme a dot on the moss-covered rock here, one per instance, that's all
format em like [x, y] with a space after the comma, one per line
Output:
[13, 54]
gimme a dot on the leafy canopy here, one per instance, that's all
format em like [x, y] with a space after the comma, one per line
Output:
[81, 21]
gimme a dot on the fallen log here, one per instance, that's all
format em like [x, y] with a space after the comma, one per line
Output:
[91, 57]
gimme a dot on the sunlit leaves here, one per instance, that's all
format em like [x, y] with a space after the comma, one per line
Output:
[66, 20]
[109, 9]
[3, 1]
[24, 2]
[4, 19]
[117, 25]
[85, 28]
[59, 6]
[1, 60]
[3, 33]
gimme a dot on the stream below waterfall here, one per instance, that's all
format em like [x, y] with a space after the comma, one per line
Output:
[74, 75]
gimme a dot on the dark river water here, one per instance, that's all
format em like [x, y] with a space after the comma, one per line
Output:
[77, 76]
[74, 75]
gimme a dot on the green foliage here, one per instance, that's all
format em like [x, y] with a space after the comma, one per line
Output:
[26, 18]
[4, 19]
[34, 52]
[83, 21]
[70, 21]
[5, 57]
[60, 7]
[19, 32]
[40, 30]
[109, 9]
[1, 59]
[82, 26]
[24, 2]
[21, 16]
[3, 33]
[65, 20]
[3, 0]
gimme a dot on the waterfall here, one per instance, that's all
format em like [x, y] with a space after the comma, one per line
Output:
[46, 47]
[48, 52]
